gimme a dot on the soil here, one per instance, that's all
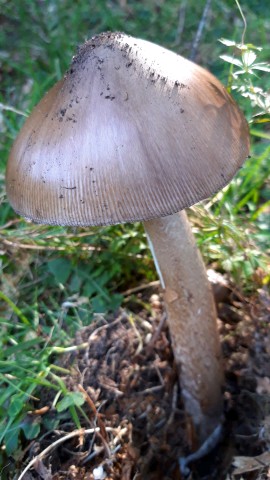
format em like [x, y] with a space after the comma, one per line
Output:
[127, 374]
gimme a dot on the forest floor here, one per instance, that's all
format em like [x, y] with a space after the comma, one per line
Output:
[137, 427]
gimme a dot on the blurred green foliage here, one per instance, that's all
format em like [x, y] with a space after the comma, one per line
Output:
[53, 280]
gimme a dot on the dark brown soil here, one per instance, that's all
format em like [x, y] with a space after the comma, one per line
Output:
[128, 374]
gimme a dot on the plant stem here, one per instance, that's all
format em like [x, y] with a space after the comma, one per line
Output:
[244, 20]
[15, 309]
[191, 319]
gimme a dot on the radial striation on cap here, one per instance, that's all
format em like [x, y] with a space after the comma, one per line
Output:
[132, 132]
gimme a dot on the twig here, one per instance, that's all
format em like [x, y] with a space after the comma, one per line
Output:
[156, 334]
[106, 326]
[200, 30]
[156, 388]
[12, 109]
[144, 286]
[83, 247]
[76, 433]
[174, 403]
[10, 223]
[140, 340]
[90, 456]
[4, 468]
[118, 437]
[181, 22]
[67, 235]
[27, 246]
[97, 415]
[161, 379]
[88, 400]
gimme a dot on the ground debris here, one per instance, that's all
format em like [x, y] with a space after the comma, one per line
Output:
[128, 374]
[249, 464]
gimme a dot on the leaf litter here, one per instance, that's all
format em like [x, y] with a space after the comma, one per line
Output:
[137, 424]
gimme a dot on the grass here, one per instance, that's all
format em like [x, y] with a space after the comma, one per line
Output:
[54, 280]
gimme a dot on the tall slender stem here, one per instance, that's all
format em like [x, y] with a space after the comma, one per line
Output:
[244, 21]
[191, 319]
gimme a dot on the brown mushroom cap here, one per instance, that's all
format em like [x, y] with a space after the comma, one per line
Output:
[132, 132]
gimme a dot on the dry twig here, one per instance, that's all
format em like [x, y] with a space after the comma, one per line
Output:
[181, 22]
[156, 334]
[200, 30]
[76, 433]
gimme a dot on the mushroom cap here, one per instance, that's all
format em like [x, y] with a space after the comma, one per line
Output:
[132, 132]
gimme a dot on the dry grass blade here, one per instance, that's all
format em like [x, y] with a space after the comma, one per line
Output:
[100, 423]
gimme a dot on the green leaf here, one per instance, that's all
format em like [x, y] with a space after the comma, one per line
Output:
[232, 60]
[99, 305]
[74, 416]
[261, 66]
[247, 268]
[31, 427]
[75, 282]
[51, 423]
[228, 43]
[61, 269]
[239, 72]
[116, 301]
[16, 405]
[260, 134]
[72, 398]
[24, 346]
[240, 46]
[248, 58]
[11, 439]
[3, 426]
[260, 210]
[6, 393]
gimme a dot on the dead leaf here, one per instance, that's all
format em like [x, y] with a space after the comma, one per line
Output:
[43, 471]
[263, 385]
[250, 464]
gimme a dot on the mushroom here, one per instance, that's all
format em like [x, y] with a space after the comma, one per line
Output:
[134, 132]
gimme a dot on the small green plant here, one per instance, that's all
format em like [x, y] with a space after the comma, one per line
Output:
[241, 80]
[26, 366]
[239, 231]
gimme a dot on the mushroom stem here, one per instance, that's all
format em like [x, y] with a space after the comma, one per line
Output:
[191, 319]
